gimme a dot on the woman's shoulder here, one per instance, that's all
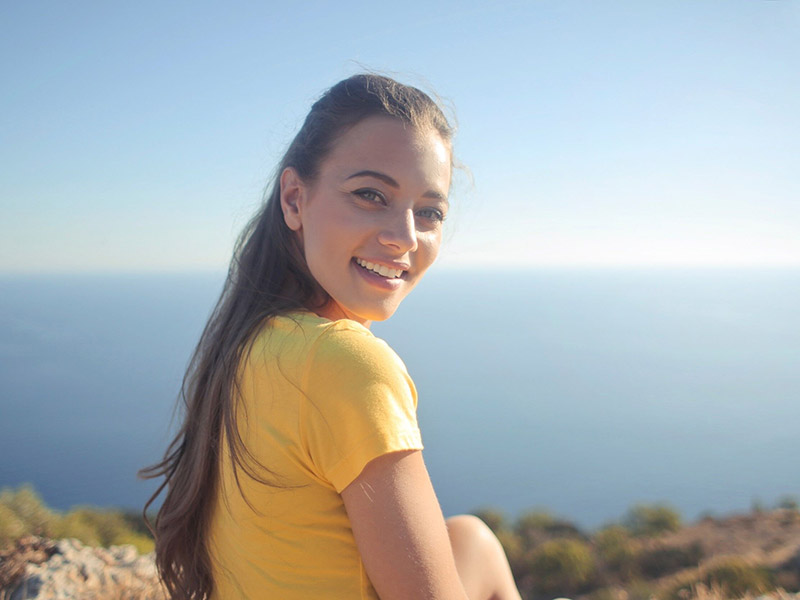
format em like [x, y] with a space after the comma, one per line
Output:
[310, 329]
[311, 338]
[347, 344]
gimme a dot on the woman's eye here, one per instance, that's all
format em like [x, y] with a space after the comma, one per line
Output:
[433, 214]
[371, 196]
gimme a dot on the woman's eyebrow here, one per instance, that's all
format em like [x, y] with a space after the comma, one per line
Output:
[390, 181]
[377, 175]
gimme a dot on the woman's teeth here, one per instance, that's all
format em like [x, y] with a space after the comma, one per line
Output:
[380, 269]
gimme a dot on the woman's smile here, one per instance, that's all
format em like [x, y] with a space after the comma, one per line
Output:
[391, 272]
[389, 281]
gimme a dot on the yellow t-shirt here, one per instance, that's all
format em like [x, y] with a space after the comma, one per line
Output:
[319, 400]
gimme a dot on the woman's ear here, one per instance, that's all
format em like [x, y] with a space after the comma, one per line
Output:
[292, 196]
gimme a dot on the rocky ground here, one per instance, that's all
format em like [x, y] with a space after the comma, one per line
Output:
[40, 569]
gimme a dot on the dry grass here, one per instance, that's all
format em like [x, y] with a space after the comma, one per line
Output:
[769, 538]
[714, 592]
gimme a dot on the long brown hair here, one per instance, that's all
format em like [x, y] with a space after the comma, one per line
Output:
[267, 276]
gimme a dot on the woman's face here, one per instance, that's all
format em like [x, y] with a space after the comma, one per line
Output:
[370, 225]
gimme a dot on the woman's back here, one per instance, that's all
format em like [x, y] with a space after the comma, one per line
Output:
[315, 434]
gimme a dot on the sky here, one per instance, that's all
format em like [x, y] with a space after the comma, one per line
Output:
[141, 136]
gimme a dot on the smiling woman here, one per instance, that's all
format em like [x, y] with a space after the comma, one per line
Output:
[298, 470]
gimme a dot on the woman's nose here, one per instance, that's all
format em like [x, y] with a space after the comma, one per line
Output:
[400, 232]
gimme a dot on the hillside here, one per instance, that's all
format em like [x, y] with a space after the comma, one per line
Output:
[103, 554]
[651, 553]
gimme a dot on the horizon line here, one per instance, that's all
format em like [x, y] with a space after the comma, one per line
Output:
[144, 271]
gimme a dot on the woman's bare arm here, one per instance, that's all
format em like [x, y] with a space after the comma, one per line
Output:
[400, 531]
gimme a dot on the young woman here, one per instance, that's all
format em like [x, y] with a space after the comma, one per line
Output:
[298, 470]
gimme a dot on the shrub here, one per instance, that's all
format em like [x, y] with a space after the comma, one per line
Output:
[645, 520]
[663, 561]
[11, 526]
[732, 577]
[788, 580]
[96, 527]
[735, 577]
[143, 543]
[789, 517]
[616, 552]
[561, 566]
[23, 512]
[109, 524]
[641, 590]
[537, 526]
[789, 503]
[140, 532]
[515, 551]
[493, 518]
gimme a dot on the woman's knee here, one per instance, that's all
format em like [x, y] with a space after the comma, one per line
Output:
[480, 559]
[470, 529]
[475, 546]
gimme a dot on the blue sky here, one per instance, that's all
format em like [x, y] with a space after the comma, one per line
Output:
[140, 136]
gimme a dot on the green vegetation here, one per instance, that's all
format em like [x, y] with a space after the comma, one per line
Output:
[650, 554]
[616, 553]
[735, 578]
[493, 518]
[539, 526]
[731, 577]
[651, 520]
[668, 559]
[22, 512]
[561, 566]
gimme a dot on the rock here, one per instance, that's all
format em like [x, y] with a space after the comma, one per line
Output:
[37, 569]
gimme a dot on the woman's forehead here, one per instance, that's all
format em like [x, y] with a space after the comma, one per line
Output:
[389, 146]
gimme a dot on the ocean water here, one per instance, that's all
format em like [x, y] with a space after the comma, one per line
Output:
[579, 391]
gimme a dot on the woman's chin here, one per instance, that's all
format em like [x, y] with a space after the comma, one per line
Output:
[364, 314]
[367, 316]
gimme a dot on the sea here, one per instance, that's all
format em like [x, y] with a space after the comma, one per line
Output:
[578, 391]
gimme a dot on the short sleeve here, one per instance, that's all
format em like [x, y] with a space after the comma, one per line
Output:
[360, 404]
